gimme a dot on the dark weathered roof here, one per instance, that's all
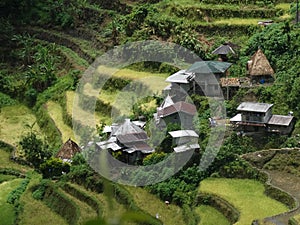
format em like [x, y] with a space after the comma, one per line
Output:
[223, 50]
[254, 107]
[259, 65]
[280, 120]
[68, 150]
[128, 138]
[208, 67]
[139, 146]
[177, 107]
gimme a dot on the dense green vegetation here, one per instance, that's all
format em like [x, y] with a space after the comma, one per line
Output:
[49, 44]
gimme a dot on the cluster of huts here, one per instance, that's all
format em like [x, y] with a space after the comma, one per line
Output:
[207, 78]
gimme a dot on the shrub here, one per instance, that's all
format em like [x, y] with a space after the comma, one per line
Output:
[5, 100]
[14, 196]
[54, 167]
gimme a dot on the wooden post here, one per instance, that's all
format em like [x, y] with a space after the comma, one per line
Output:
[297, 12]
[227, 92]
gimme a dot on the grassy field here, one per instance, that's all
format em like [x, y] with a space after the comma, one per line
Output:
[169, 215]
[85, 116]
[55, 112]
[246, 195]
[7, 215]
[6, 163]
[4, 177]
[238, 21]
[13, 123]
[210, 216]
[120, 100]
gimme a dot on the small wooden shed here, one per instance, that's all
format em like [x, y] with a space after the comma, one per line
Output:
[68, 150]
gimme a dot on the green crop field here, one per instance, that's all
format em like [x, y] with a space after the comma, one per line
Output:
[170, 215]
[210, 216]
[246, 195]
[7, 215]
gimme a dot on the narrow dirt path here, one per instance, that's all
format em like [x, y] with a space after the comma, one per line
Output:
[290, 184]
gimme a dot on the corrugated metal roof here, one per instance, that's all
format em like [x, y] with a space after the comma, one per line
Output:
[236, 118]
[109, 145]
[139, 146]
[127, 128]
[177, 107]
[167, 102]
[223, 50]
[280, 120]
[254, 107]
[183, 148]
[208, 67]
[129, 138]
[183, 133]
[179, 77]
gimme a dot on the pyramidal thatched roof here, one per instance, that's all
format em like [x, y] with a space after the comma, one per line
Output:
[68, 150]
[259, 65]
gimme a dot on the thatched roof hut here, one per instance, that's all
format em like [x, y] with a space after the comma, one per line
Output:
[68, 150]
[259, 65]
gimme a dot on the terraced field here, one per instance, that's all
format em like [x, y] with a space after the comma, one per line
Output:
[210, 216]
[15, 122]
[79, 50]
[246, 195]
[168, 214]
[7, 216]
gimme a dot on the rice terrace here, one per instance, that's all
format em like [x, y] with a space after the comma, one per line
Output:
[149, 112]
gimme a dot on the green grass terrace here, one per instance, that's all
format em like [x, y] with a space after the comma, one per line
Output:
[247, 196]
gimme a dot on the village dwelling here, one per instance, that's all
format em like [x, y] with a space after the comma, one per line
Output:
[230, 85]
[259, 68]
[129, 140]
[181, 113]
[281, 124]
[68, 151]
[258, 117]
[201, 78]
[185, 140]
[223, 51]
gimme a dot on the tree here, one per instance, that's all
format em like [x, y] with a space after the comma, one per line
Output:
[35, 150]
